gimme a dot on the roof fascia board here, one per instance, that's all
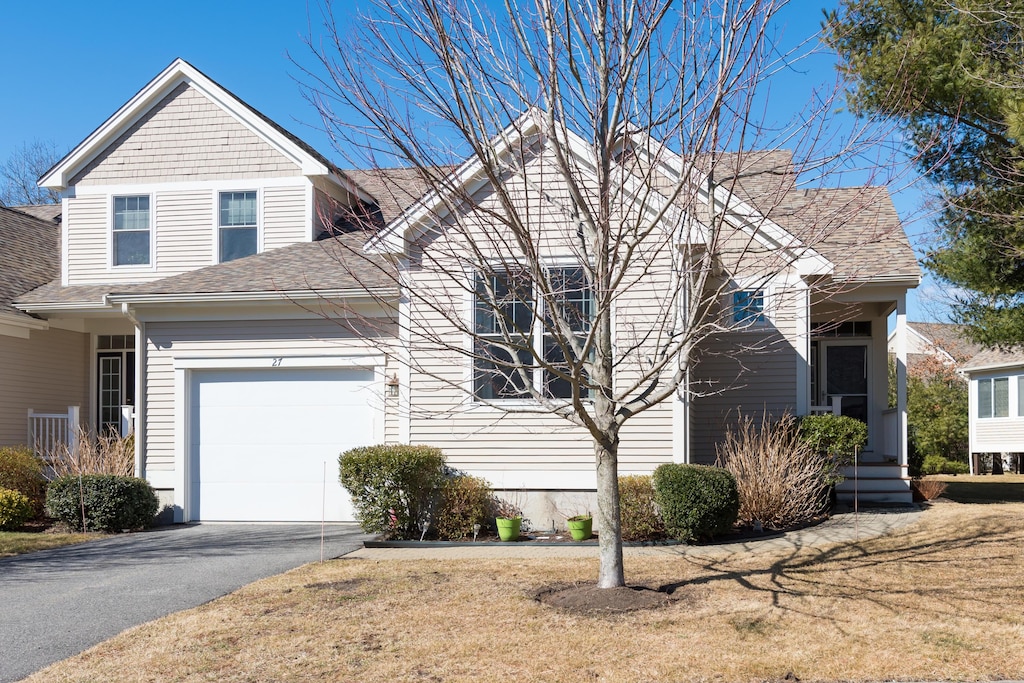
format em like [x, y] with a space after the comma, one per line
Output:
[991, 367]
[433, 206]
[177, 72]
[241, 297]
[22, 321]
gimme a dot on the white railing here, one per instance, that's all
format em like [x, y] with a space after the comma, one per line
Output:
[48, 432]
[835, 409]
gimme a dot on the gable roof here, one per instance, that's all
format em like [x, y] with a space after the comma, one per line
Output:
[46, 212]
[311, 162]
[29, 252]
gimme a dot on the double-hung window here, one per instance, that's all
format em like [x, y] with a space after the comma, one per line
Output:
[748, 307]
[512, 329]
[503, 327]
[131, 231]
[994, 397]
[238, 232]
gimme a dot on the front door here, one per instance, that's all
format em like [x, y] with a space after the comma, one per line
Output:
[115, 382]
[844, 376]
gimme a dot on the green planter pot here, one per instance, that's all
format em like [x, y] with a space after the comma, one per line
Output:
[508, 529]
[580, 527]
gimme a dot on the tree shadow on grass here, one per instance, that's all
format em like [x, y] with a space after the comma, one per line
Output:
[929, 569]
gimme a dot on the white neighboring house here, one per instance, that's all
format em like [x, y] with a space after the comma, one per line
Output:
[206, 290]
[996, 405]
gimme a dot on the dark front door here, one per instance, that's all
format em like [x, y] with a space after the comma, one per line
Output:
[846, 379]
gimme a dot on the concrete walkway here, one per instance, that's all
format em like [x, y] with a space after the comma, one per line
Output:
[840, 528]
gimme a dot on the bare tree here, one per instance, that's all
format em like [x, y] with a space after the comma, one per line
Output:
[585, 167]
[18, 175]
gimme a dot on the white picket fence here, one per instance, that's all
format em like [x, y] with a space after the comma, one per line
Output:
[49, 432]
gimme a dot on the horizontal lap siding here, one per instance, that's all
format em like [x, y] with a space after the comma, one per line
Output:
[284, 216]
[87, 226]
[185, 137]
[184, 231]
[998, 435]
[515, 449]
[228, 339]
[47, 372]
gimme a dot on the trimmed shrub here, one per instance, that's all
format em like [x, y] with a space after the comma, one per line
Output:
[394, 488]
[936, 464]
[696, 501]
[782, 479]
[836, 435]
[22, 471]
[639, 509]
[111, 503]
[15, 509]
[465, 501]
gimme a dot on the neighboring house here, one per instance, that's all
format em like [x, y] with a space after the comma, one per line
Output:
[942, 341]
[197, 294]
[43, 364]
[996, 424]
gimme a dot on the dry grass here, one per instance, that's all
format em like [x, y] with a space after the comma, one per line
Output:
[105, 453]
[937, 601]
[20, 542]
[985, 488]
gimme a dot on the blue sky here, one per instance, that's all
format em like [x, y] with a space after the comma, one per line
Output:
[66, 66]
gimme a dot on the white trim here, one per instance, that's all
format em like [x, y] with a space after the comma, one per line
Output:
[178, 72]
[193, 186]
[405, 354]
[217, 227]
[802, 319]
[351, 360]
[901, 378]
[64, 250]
[125, 269]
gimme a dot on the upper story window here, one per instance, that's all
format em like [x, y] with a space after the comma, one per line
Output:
[238, 233]
[512, 329]
[748, 307]
[994, 397]
[131, 233]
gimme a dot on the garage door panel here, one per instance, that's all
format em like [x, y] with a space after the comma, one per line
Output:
[260, 439]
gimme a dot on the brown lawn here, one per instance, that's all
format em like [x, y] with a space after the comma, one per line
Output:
[19, 542]
[939, 600]
[985, 488]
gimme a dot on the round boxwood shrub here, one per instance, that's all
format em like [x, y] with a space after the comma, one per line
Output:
[15, 509]
[465, 501]
[394, 488]
[22, 471]
[111, 502]
[696, 501]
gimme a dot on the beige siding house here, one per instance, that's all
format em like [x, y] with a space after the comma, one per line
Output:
[216, 294]
[996, 405]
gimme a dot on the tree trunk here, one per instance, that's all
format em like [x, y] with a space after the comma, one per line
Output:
[611, 573]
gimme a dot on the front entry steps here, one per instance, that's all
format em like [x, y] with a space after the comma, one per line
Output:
[875, 483]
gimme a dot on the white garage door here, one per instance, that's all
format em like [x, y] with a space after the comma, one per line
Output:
[264, 443]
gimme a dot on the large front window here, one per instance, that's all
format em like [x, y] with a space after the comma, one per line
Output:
[131, 233]
[238, 230]
[513, 329]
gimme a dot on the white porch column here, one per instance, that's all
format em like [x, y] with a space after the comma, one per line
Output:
[901, 377]
[802, 315]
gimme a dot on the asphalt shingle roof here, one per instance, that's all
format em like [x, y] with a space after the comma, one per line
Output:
[996, 357]
[29, 254]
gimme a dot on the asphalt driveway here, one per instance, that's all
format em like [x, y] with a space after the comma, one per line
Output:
[56, 603]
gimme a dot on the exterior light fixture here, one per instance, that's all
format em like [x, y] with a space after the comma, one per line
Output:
[391, 386]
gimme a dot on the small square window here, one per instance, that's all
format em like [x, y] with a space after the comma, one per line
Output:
[748, 306]
[238, 231]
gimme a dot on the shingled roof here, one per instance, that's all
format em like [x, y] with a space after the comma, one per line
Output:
[29, 252]
[856, 228]
[995, 358]
[336, 264]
